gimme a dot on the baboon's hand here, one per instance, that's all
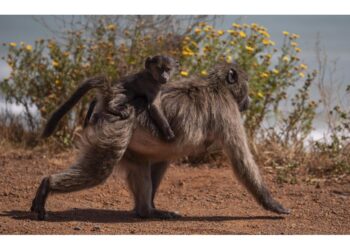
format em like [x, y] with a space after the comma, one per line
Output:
[122, 111]
[274, 206]
[169, 134]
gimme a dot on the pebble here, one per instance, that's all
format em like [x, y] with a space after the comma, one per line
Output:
[96, 228]
[77, 228]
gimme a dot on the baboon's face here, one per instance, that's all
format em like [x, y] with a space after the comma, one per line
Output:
[236, 80]
[161, 68]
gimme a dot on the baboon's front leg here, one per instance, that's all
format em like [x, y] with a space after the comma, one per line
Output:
[243, 164]
[157, 173]
[38, 204]
[140, 179]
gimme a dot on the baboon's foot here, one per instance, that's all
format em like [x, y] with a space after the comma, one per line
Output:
[158, 214]
[274, 206]
[165, 215]
[38, 203]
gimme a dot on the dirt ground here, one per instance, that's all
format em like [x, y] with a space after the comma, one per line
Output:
[211, 201]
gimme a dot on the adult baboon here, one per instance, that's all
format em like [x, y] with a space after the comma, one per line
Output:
[198, 110]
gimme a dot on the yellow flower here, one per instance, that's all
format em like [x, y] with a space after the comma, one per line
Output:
[264, 33]
[203, 72]
[202, 24]
[249, 49]
[297, 50]
[294, 44]
[286, 33]
[194, 44]
[229, 59]
[232, 32]
[266, 41]
[275, 71]
[285, 59]
[245, 25]
[301, 74]
[208, 28]
[303, 66]
[187, 38]
[264, 75]
[260, 95]
[233, 43]
[55, 63]
[13, 44]
[295, 36]
[254, 25]
[57, 82]
[29, 48]
[66, 53]
[221, 32]
[187, 52]
[184, 73]
[242, 34]
[268, 56]
[197, 30]
[236, 25]
[111, 27]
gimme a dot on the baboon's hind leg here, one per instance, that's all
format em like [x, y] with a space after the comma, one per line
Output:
[86, 173]
[101, 150]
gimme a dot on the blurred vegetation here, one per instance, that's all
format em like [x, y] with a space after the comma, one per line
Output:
[45, 73]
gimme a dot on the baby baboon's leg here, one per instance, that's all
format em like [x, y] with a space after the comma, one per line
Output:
[157, 172]
[236, 147]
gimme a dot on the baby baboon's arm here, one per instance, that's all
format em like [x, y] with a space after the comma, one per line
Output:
[159, 118]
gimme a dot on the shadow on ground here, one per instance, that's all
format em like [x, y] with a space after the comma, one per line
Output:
[112, 216]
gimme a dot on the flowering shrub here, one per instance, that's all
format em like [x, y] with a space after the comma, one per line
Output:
[272, 71]
[46, 73]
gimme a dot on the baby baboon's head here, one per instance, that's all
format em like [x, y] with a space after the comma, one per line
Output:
[235, 79]
[161, 67]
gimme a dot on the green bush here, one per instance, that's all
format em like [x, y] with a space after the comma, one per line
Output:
[46, 73]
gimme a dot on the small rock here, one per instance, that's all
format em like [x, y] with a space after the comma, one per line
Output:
[96, 228]
[77, 228]
[181, 183]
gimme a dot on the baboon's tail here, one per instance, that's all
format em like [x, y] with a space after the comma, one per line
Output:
[56, 116]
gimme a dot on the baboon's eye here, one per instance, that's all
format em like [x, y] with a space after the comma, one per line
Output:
[232, 76]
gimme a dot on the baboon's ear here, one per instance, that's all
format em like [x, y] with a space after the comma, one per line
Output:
[232, 76]
[148, 62]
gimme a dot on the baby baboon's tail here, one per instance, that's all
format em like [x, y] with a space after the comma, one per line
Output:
[56, 116]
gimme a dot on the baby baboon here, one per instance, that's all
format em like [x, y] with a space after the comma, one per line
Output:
[113, 99]
[199, 110]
